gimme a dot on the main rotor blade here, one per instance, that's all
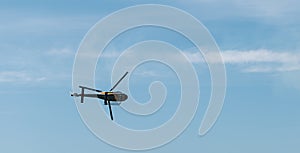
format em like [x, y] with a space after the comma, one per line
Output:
[118, 82]
[90, 89]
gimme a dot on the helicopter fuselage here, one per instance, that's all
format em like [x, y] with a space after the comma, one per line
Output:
[111, 96]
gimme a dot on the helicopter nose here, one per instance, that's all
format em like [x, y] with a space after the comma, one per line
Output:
[125, 97]
[121, 97]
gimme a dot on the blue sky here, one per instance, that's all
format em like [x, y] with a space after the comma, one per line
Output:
[260, 47]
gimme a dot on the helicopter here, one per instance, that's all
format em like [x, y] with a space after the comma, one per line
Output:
[110, 97]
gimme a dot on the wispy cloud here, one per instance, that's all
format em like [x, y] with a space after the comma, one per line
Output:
[148, 73]
[19, 76]
[260, 60]
[260, 55]
[61, 52]
[266, 10]
[45, 25]
[37, 66]
[269, 8]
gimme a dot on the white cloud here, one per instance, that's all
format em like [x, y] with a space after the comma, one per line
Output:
[36, 24]
[19, 76]
[267, 9]
[260, 60]
[149, 73]
[61, 52]
[261, 55]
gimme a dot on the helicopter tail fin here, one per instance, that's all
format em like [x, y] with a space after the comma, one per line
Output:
[79, 95]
